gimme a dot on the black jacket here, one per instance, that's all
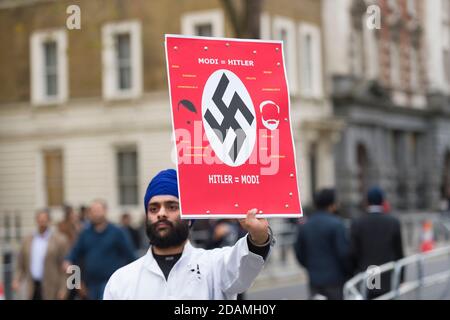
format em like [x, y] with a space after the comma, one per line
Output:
[376, 239]
[322, 247]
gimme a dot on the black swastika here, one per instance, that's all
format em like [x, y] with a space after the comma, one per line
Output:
[229, 120]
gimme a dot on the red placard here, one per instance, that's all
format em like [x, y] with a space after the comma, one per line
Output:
[230, 113]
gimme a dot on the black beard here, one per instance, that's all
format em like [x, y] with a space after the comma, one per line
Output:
[177, 234]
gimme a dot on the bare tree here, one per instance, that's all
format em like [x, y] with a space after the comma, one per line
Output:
[244, 17]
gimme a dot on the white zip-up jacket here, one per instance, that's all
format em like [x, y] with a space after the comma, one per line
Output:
[199, 274]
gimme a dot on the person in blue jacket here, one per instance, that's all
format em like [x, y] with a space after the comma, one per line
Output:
[323, 248]
[101, 248]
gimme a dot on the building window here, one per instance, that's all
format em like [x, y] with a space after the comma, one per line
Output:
[265, 27]
[124, 68]
[446, 55]
[371, 56]
[54, 177]
[122, 60]
[411, 7]
[414, 69]
[127, 175]
[48, 67]
[307, 74]
[311, 61]
[446, 39]
[356, 55]
[204, 30]
[209, 23]
[284, 30]
[358, 38]
[395, 65]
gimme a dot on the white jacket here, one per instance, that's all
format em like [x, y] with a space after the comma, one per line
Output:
[198, 274]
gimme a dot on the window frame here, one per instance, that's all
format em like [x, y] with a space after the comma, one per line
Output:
[414, 76]
[289, 50]
[111, 90]
[45, 175]
[395, 79]
[119, 184]
[313, 31]
[214, 17]
[445, 22]
[38, 40]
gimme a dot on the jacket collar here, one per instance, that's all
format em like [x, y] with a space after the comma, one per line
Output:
[151, 264]
[323, 213]
[375, 209]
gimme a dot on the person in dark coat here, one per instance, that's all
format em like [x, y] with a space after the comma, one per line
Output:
[376, 239]
[103, 248]
[133, 233]
[322, 247]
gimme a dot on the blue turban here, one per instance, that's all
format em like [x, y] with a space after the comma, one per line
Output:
[164, 183]
[375, 196]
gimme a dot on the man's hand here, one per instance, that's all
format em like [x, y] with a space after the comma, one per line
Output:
[257, 228]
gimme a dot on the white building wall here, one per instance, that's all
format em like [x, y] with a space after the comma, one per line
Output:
[17, 177]
[88, 132]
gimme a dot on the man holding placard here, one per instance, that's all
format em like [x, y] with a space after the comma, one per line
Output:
[173, 269]
[234, 151]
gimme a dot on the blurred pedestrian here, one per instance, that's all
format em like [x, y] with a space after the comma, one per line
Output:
[39, 261]
[201, 233]
[70, 225]
[224, 232]
[102, 248]
[376, 239]
[174, 269]
[143, 246]
[322, 247]
[133, 233]
[84, 217]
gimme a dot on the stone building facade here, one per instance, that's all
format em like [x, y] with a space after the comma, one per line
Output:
[85, 113]
[390, 85]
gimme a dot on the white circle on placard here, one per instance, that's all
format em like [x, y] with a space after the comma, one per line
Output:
[228, 117]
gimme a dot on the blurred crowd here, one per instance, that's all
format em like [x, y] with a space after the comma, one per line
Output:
[332, 252]
[329, 251]
[87, 239]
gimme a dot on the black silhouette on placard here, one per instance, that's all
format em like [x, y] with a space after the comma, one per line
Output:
[188, 105]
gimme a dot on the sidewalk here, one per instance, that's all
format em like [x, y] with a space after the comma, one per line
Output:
[277, 273]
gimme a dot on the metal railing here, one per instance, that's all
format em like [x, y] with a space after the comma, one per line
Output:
[357, 287]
